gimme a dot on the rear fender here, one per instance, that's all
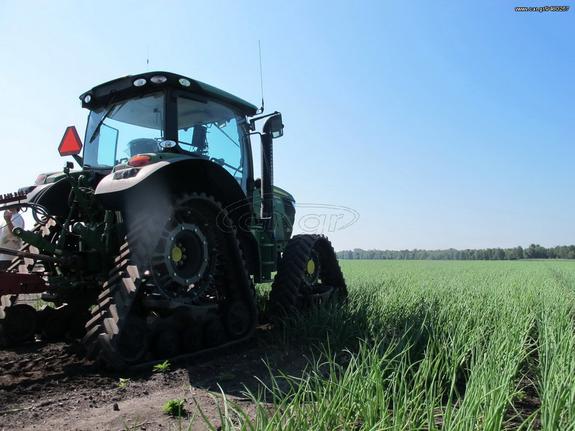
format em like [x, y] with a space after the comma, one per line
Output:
[155, 185]
[54, 197]
[159, 182]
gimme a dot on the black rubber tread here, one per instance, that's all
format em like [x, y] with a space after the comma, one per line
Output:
[289, 293]
[124, 254]
[120, 294]
[242, 277]
[107, 316]
[105, 296]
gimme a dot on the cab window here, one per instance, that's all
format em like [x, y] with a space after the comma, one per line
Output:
[210, 130]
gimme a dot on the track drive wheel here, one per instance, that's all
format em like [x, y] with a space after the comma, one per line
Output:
[180, 286]
[308, 275]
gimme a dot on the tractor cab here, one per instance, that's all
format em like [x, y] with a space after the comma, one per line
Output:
[201, 131]
[165, 114]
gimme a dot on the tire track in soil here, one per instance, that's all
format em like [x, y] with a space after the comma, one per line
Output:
[52, 387]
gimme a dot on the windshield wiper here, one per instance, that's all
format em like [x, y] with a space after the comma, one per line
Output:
[99, 125]
[227, 136]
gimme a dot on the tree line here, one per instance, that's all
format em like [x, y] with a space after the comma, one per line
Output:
[534, 251]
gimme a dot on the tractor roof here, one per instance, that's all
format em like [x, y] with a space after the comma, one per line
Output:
[126, 87]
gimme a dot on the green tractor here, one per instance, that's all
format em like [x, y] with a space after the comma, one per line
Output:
[153, 248]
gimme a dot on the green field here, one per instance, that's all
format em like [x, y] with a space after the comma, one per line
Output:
[435, 345]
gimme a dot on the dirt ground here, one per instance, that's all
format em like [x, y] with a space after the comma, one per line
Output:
[51, 387]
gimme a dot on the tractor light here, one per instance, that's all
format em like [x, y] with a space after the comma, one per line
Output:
[140, 82]
[139, 160]
[125, 173]
[184, 82]
[158, 79]
[87, 98]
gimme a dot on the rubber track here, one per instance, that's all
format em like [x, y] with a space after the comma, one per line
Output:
[120, 292]
[286, 295]
[108, 315]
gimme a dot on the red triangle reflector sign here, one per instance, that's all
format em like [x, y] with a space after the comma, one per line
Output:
[70, 144]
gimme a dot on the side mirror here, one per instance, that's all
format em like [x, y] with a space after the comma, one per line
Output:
[274, 126]
[71, 144]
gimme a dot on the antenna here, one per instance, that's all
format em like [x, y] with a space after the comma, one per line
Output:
[261, 77]
[148, 58]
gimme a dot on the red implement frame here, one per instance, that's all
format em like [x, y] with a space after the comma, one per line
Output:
[13, 283]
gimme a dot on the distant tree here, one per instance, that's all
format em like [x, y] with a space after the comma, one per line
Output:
[499, 254]
[534, 251]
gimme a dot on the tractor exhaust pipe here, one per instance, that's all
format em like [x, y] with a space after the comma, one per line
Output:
[267, 210]
[273, 128]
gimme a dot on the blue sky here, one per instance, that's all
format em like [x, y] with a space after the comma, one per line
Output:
[442, 124]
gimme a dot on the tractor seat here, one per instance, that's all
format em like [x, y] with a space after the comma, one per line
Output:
[142, 145]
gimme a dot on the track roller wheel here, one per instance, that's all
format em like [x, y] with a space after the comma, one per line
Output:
[167, 344]
[166, 341]
[214, 333]
[308, 275]
[192, 339]
[237, 319]
[130, 347]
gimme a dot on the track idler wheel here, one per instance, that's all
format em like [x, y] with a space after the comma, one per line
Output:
[192, 339]
[19, 323]
[166, 341]
[237, 319]
[308, 275]
[131, 346]
[214, 333]
[167, 344]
